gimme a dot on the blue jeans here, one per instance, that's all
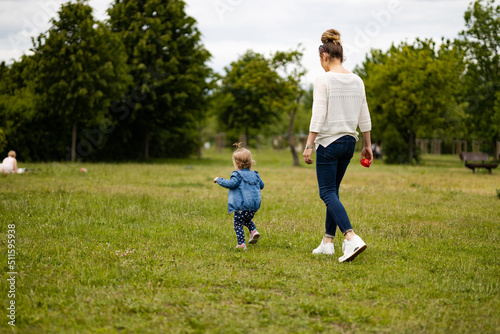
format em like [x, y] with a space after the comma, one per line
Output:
[331, 164]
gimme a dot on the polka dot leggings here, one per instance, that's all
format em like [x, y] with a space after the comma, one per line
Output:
[243, 218]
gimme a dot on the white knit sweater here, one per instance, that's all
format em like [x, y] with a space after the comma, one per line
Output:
[339, 106]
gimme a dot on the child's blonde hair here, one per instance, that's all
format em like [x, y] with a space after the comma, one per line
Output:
[12, 154]
[242, 157]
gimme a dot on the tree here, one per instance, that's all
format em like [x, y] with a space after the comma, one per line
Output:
[4, 83]
[30, 132]
[204, 112]
[481, 41]
[303, 117]
[410, 88]
[289, 63]
[81, 68]
[245, 95]
[258, 93]
[168, 65]
[3, 140]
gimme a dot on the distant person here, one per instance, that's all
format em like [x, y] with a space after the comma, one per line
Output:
[244, 195]
[377, 152]
[9, 164]
[339, 107]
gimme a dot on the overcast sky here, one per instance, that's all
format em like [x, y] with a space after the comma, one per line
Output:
[230, 27]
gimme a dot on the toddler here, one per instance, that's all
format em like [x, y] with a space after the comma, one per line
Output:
[244, 195]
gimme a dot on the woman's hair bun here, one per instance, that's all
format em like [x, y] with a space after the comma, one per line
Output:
[331, 35]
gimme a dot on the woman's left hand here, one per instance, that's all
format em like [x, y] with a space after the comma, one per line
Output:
[367, 153]
[307, 156]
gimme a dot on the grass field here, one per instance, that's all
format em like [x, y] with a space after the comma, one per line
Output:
[149, 248]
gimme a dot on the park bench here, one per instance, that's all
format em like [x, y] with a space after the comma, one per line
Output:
[475, 160]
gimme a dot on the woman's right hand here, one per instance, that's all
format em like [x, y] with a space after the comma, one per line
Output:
[307, 156]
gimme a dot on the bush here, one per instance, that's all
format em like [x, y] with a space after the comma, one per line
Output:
[396, 148]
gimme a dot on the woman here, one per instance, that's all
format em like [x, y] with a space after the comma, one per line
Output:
[9, 164]
[339, 106]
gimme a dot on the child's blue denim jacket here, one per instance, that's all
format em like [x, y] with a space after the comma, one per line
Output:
[244, 190]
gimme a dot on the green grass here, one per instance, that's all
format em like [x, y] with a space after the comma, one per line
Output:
[149, 248]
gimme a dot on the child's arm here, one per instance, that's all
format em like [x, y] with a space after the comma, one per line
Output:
[261, 183]
[232, 183]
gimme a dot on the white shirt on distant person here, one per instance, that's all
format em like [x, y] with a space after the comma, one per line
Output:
[8, 164]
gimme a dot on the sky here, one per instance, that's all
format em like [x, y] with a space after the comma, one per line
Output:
[231, 27]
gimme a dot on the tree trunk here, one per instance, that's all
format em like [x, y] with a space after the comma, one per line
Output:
[200, 144]
[291, 138]
[247, 136]
[73, 143]
[496, 153]
[146, 145]
[411, 145]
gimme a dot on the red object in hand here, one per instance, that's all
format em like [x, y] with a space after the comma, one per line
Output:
[365, 162]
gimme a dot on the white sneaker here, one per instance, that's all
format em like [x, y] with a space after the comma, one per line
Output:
[352, 248]
[324, 249]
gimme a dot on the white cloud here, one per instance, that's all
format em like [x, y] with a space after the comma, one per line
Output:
[230, 27]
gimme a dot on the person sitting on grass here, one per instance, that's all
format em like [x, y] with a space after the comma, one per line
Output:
[9, 164]
[244, 195]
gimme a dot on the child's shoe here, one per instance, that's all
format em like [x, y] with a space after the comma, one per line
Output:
[254, 237]
[352, 248]
[242, 247]
[324, 249]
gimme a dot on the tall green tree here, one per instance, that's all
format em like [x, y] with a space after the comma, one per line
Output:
[81, 68]
[289, 66]
[34, 135]
[170, 77]
[410, 88]
[3, 140]
[481, 41]
[248, 94]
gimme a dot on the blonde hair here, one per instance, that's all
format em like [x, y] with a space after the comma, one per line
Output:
[12, 154]
[242, 157]
[332, 45]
